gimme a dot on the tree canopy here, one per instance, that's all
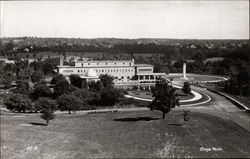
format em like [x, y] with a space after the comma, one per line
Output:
[165, 98]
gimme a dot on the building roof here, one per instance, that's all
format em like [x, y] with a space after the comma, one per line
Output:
[104, 61]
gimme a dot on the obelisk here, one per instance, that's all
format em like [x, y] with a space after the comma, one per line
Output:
[184, 71]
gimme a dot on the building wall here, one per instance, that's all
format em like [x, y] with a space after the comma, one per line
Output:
[144, 69]
[120, 73]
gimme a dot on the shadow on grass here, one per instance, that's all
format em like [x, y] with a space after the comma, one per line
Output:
[41, 124]
[136, 119]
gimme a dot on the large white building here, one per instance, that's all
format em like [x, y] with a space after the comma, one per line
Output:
[125, 72]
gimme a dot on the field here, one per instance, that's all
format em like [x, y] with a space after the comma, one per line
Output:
[137, 134]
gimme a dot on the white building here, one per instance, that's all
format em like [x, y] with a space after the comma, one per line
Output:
[125, 72]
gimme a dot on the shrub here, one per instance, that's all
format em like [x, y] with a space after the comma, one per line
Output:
[186, 88]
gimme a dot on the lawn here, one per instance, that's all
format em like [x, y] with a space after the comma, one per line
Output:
[148, 94]
[195, 77]
[137, 134]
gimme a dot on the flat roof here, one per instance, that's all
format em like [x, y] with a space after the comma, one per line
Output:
[104, 61]
[151, 74]
[93, 66]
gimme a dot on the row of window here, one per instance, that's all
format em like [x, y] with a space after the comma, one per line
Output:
[109, 63]
[108, 70]
[121, 78]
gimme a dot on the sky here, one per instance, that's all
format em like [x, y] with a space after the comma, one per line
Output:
[216, 19]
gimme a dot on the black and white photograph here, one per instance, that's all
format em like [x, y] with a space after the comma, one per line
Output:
[124, 79]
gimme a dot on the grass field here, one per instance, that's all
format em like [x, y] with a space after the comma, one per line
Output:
[148, 94]
[122, 134]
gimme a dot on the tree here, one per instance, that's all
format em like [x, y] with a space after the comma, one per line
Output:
[106, 80]
[95, 86]
[110, 96]
[41, 90]
[23, 87]
[186, 88]
[76, 80]
[49, 65]
[18, 102]
[61, 87]
[37, 76]
[164, 97]
[46, 103]
[6, 79]
[47, 107]
[47, 115]
[57, 78]
[69, 102]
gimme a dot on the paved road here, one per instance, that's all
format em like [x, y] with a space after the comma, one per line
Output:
[221, 107]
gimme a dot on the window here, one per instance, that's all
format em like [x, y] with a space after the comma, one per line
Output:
[78, 71]
[82, 64]
[106, 63]
[88, 63]
[122, 77]
[115, 63]
[123, 63]
[102, 70]
[97, 63]
[128, 77]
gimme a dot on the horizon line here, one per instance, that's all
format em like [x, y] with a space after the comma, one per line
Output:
[57, 37]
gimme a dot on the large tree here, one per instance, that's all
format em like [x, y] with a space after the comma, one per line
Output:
[76, 80]
[107, 80]
[110, 96]
[165, 97]
[69, 102]
[46, 103]
[41, 90]
[37, 76]
[57, 78]
[18, 102]
[23, 87]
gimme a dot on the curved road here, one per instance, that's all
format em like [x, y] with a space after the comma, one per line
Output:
[220, 106]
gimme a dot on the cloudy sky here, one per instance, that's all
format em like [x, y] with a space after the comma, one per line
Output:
[222, 19]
